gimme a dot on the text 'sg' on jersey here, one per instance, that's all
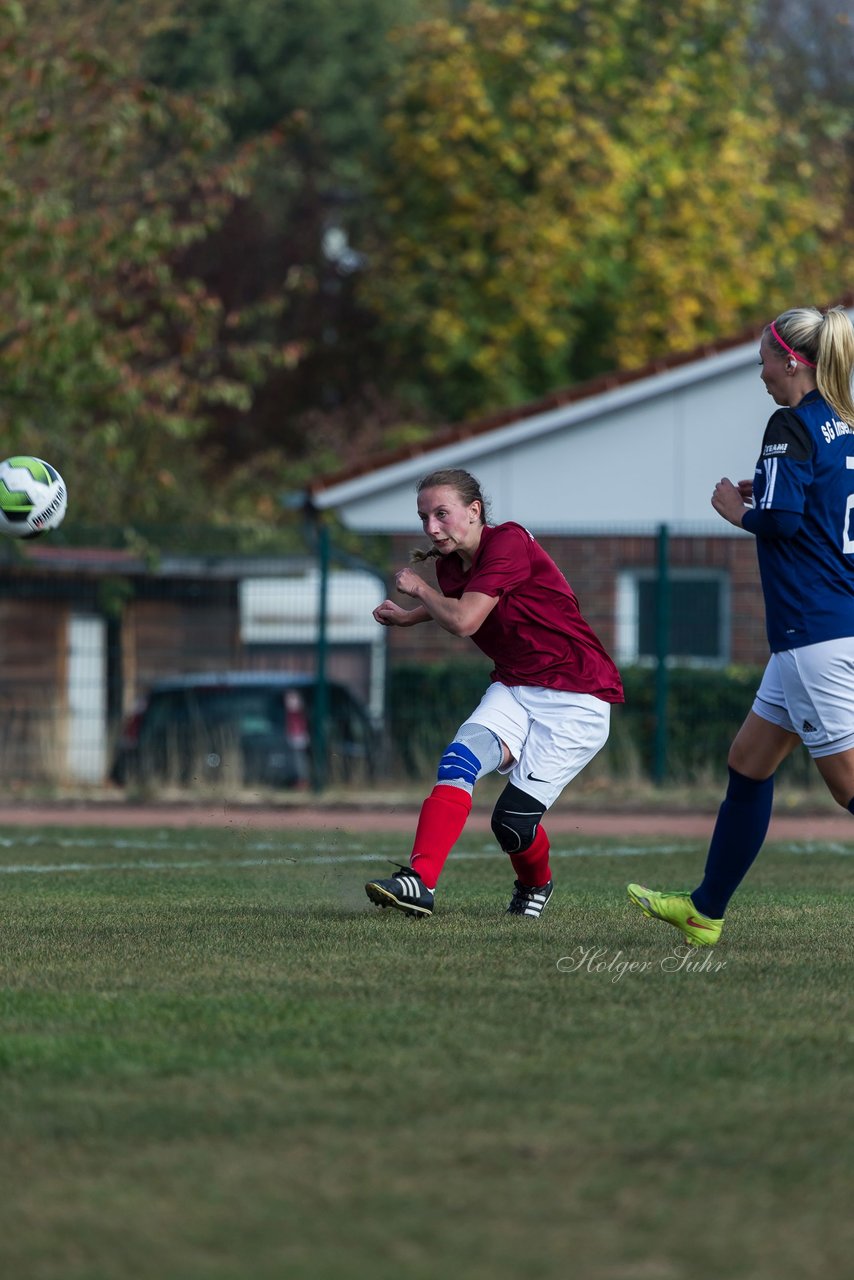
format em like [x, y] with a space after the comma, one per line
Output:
[807, 467]
[535, 635]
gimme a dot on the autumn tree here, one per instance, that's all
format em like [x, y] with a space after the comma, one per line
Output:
[111, 357]
[315, 72]
[572, 186]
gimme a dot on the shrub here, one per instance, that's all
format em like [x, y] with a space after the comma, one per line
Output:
[704, 710]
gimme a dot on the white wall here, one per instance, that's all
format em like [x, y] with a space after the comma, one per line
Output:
[87, 698]
[645, 453]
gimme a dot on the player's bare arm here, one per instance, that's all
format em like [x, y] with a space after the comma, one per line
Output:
[390, 614]
[461, 617]
[728, 501]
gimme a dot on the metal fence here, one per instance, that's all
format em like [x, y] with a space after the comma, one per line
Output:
[87, 633]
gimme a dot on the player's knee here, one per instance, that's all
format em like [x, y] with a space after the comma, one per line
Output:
[515, 819]
[475, 751]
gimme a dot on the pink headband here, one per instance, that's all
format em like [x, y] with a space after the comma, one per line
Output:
[801, 359]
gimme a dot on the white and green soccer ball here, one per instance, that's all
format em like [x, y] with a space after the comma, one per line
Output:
[32, 497]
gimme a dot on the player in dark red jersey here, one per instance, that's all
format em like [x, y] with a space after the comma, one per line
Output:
[543, 717]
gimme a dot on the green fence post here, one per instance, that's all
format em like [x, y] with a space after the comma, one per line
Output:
[662, 643]
[321, 696]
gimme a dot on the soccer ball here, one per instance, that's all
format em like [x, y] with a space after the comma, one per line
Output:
[32, 497]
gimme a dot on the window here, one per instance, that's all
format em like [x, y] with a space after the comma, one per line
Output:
[698, 630]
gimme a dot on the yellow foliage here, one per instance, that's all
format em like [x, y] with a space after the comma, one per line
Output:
[557, 160]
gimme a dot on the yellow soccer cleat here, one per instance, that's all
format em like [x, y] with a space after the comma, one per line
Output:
[677, 909]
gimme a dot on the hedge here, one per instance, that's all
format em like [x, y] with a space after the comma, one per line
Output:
[705, 707]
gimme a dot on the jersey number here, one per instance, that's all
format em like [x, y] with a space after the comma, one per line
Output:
[847, 540]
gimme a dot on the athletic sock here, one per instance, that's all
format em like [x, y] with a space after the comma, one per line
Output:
[738, 836]
[532, 865]
[440, 823]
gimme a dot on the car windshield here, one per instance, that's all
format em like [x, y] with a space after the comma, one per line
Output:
[249, 711]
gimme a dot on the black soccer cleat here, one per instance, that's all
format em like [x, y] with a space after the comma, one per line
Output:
[405, 890]
[529, 901]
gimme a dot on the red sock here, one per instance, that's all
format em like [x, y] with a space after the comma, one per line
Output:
[532, 867]
[443, 816]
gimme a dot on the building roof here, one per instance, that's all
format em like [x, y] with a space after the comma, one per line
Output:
[557, 410]
[48, 556]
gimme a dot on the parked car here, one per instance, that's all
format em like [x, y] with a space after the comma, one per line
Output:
[252, 727]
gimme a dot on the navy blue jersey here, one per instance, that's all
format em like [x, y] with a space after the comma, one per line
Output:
[807, 468]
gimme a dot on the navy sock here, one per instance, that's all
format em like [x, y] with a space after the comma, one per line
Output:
[738, 836]
[851, 805]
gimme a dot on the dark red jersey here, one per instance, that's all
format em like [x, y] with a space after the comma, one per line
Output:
[536, 634]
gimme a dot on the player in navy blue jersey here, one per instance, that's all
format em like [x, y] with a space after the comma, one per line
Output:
[800, 507]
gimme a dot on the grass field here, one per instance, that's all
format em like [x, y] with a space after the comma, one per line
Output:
[219, 1062]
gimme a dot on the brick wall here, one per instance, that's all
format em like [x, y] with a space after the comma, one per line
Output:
[33, 693]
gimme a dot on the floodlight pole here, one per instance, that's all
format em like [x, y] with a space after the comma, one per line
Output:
[662, 643]
[316, 535]
[321, 695]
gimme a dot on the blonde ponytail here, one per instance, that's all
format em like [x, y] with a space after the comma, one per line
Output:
[826, 343]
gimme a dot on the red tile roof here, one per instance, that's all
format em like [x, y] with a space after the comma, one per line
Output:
[453, 433]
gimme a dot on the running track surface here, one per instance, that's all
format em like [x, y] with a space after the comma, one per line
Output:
[382, 819]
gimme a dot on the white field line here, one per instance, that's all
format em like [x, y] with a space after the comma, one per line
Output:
[313, 860]
[334, 859]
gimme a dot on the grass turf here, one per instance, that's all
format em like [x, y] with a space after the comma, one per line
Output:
[220, 1061]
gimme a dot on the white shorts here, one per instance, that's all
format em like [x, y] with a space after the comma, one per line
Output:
[810, 692]
[551, 734]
